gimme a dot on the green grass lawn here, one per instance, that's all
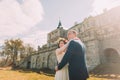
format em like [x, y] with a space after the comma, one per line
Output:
[29, 75]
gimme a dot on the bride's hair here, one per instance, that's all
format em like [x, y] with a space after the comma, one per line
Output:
[64, 41]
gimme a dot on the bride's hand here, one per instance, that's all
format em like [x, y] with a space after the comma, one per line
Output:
[66, 40]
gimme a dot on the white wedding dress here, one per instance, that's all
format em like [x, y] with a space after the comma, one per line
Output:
[63, 73]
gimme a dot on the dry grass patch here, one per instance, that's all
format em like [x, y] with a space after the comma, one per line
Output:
[7, 74]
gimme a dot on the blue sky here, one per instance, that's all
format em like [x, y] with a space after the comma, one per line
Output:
[69, 12]
[31, 20]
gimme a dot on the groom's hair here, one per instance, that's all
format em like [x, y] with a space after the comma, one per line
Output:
[73, 31]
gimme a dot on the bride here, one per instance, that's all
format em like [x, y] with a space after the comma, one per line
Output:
[63, 73]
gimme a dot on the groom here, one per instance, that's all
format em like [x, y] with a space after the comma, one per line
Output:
[75, 57]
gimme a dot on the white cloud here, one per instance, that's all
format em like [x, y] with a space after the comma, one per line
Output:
[100, 5]
[38, 38]
[16, 18]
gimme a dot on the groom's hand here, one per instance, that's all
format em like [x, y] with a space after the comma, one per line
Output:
[56, 68]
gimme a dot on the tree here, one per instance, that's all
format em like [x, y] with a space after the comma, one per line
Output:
[12, 48]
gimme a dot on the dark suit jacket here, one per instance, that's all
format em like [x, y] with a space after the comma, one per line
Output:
[75, 56]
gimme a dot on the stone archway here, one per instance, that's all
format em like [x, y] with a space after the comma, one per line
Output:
[28, 64]
[111, 55]
[48, 62]
[51, 61]
[110, 64]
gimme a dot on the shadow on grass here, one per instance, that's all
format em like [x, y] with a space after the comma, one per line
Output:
[45, 71]
[108, 71]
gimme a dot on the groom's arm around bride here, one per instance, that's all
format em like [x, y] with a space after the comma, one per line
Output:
[67, 55]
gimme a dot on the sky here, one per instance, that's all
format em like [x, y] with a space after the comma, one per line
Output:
[31, 20]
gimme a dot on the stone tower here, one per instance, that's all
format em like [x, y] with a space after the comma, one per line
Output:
[54, 35]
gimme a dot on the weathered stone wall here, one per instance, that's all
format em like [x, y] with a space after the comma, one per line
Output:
[44, 59]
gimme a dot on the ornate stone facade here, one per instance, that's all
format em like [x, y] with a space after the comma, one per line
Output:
[55, 35]
[100, 34]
